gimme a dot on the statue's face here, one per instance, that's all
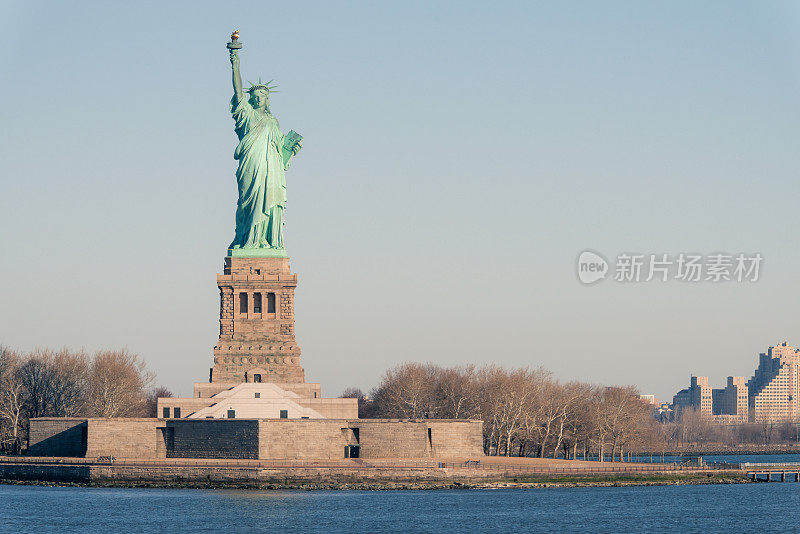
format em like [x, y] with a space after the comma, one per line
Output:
[259, 99]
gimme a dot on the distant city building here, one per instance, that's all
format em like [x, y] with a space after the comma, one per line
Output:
[773, 389]
[654, 404]
[680, 403]
[663, 413]
[771, 395]
[728, 405]
[697, 397]
[649, 399]
[732, 404]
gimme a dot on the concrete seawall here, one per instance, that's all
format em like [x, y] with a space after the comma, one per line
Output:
[294, 474]
[240, 473]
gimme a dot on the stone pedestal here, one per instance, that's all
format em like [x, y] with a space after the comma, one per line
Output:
[256, 322]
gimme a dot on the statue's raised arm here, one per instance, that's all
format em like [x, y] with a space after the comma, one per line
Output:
[233, 46]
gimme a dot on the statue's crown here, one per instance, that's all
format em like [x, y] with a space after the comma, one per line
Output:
[260, 85]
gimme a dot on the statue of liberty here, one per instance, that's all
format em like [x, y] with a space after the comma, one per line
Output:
[264, 154]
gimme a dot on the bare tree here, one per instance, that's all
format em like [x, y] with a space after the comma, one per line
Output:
[570, 399]
[524, 410]
[151, 403]
[12, 402]
[490, 381]
[621, 406]
[457, 392]
[352, 393]
[521, 386]
[54, 382]
[68, 374]
[508, 402]
[117, 385]
[36, 376]
[407, 391]
[599, 426]
[694, 428]
[366, 407]
[552, 404]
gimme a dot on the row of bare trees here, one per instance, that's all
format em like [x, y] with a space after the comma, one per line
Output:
[695, 431]
[63, 383]
[525, 411]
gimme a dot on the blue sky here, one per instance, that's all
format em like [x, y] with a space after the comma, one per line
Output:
[457, 158]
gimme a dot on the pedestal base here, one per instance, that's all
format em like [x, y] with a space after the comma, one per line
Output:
[256, 337]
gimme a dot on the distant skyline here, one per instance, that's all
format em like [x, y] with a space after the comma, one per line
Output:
[482, 149]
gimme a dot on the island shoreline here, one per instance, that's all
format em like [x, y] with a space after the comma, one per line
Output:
[522, 482]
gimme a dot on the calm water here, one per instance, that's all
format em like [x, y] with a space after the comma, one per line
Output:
[728, 458]
[764, 507]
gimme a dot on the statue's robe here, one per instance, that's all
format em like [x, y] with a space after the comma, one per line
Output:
[261, 178]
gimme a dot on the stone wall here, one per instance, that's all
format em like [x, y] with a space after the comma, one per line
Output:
[300, 439]
[456, 439]
[380, 438]
[230, 473]
[57, 436]
[125, 438]
[376, 438]
[212, 438]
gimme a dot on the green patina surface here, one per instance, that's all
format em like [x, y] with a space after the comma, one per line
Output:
[257, 253]
[264, 154]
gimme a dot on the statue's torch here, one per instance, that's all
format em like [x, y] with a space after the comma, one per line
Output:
[234, 44]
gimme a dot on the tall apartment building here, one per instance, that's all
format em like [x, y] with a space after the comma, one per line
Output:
[728, 405]
[733, 399]
[698, 396]
[773, 393]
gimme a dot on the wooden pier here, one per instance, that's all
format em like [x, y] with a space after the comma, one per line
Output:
[774, 475]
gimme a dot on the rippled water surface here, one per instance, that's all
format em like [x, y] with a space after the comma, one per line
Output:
[785, 458]
[764, 507]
